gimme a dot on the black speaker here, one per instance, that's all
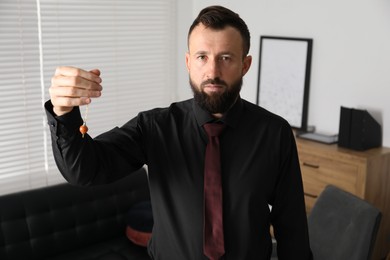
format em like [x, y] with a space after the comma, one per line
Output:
[358, 130]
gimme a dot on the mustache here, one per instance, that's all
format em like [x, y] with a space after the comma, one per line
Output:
[216, 81]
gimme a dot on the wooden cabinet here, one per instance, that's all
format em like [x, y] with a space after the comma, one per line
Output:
[365, 174]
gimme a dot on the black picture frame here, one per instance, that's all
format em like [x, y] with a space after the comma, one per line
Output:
[284, 78]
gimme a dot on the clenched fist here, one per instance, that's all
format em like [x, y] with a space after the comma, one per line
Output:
[72, 87]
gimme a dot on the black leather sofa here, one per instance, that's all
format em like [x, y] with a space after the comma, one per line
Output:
[64, 222]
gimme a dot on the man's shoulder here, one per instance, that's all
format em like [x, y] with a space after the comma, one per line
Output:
[256, 112]
[260, 111]
[175, 109]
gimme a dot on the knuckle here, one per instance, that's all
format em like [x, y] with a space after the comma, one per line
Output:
[53, 80]
[77, 71]
[73, 81]
[73, 92]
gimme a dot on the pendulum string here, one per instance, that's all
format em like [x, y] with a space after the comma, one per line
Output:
[83, 128]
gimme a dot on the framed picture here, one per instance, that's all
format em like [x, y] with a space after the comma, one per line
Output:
[284, 78]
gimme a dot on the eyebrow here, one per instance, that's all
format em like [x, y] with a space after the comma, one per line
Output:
[218, 54]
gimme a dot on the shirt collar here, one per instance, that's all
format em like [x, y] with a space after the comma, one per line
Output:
[231, 117]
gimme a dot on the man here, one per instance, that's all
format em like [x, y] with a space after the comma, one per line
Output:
[259, 163]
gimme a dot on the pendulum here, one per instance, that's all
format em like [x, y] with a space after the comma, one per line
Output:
[84, 128]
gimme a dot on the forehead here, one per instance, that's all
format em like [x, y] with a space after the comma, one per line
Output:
[203, 38]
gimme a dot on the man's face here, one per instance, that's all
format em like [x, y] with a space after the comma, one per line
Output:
[216, 66]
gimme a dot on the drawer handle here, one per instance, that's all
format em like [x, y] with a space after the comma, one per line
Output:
[310, 195]
[311, 165]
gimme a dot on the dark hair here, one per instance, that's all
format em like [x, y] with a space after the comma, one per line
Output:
[218, 17]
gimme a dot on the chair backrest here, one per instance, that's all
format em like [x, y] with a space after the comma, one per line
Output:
[342, 226]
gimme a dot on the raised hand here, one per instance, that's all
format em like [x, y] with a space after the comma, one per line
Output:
[72, 87]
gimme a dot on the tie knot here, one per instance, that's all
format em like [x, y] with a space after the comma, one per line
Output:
[213, 129]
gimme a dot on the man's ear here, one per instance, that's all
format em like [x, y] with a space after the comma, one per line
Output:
[246, 64]
[188, 61]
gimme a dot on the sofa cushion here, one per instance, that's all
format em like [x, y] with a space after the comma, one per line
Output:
[139, 221]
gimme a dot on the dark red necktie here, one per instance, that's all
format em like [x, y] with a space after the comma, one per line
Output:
[213, 243]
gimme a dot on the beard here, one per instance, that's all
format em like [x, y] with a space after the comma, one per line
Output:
[215, 102]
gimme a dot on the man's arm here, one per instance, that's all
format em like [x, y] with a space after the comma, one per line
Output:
[288, 215]
[83, 160]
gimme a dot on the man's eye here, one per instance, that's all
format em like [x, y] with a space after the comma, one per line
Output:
[226, 58]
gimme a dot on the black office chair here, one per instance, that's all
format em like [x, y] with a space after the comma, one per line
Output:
[342, 226]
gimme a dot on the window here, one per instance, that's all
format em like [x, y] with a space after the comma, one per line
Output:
[131, 42]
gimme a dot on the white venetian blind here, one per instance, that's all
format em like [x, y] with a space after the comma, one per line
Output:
[131, 42]
[22, 149]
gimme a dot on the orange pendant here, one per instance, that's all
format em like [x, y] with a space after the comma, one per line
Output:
[83, 129]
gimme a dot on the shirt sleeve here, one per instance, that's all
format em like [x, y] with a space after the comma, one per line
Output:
[288, 215]
[92, 161]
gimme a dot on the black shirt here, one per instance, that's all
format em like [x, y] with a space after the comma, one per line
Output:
[259, 163]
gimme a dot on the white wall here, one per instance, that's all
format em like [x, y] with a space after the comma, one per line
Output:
[185, 18]
[351, 52]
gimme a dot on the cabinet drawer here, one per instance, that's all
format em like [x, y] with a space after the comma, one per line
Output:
[318, 172]
[309, 202]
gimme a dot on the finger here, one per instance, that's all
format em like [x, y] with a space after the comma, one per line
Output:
[67, 102]
[73, 92]
[95, 71]
[75, 82]
[77, 72]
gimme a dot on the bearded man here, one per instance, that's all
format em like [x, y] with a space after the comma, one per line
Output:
[203, 208]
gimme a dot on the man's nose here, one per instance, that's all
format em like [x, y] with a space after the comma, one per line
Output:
[213, 69]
